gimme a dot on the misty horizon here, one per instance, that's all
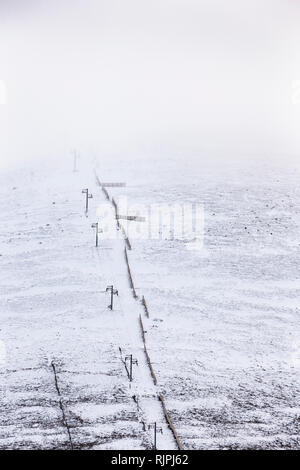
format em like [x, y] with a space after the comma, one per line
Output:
[169, 77]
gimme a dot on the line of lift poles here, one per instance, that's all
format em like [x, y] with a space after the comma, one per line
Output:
[111, 289]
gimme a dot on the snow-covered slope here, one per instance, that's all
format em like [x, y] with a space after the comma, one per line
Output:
[223, 333]
[224, 328]
[63, 384]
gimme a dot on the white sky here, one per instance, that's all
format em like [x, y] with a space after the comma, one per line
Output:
[144, 76]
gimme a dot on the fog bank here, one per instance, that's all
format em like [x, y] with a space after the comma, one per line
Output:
[137, 77]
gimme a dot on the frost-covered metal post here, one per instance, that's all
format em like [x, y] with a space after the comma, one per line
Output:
[95, 225]
[156, 430]
[87, 197]
[112, 293]
[132, 361]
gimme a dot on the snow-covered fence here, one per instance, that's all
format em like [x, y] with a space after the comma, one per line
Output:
[101, 186]
[125, 237]
[105, 192]
[145, 306]
[171, 426]
[116, 209]
[97, 179]
[142, 329]
[121, 226]
[129, 274]
[168, 419]
[128, 244]
[146, 352]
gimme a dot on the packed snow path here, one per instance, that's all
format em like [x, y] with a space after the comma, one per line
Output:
[63, 383]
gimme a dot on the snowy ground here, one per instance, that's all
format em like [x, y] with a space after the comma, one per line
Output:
[224, 332]
[224, 328]
[54, 310]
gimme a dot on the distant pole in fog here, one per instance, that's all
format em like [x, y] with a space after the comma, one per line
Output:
[87, 197]
[112, 293]
[75, 156]
[96, 226]
[97, 231]
[131, 362]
